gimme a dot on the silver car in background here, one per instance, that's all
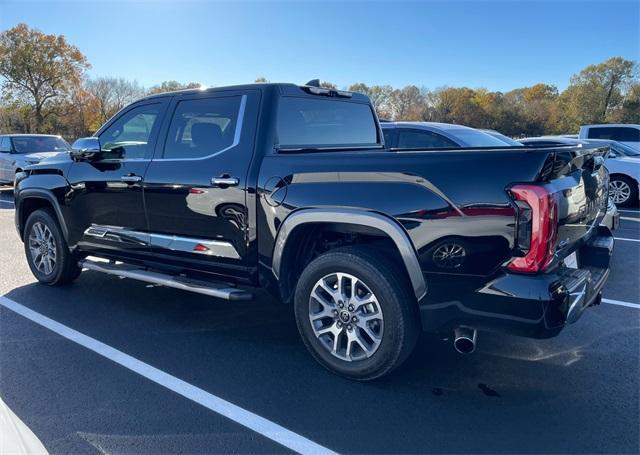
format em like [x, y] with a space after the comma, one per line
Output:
[20, 150]
[433, 135]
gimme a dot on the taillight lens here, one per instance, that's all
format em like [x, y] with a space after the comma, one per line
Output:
[537, 228]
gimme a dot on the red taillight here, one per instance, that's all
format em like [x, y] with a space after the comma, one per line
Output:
[543, 228]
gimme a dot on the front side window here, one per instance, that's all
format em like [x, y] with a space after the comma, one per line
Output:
[38, 144]
[317, 123]
[422, 139]
[615, 133]
[202, 127]
[130, 133]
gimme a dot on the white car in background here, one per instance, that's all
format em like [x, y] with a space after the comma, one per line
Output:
[623, 164]
[628, 134]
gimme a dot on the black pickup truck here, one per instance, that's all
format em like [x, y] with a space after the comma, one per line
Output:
[291, 189]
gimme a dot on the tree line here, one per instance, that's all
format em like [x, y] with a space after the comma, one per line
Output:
[45, 89]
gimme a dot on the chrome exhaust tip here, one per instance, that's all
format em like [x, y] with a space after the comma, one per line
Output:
[464, 340]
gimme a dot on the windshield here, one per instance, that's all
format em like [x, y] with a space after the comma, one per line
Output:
[625, 150]
[475, 138]
[36, 144]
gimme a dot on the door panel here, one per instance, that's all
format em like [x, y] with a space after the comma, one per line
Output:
[106, 204]
[195, 187]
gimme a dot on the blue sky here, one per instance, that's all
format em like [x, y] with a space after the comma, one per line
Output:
[498, 45]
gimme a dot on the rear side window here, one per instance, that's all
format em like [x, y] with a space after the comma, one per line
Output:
[615, 133]
[417, 139]
[305, 122]
[203, 127]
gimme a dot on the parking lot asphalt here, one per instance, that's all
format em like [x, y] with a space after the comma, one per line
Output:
[576, 393]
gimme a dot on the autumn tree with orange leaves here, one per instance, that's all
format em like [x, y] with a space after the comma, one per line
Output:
[39, 70]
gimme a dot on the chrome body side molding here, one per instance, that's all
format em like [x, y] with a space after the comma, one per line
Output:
[218, 248]
[357, 217]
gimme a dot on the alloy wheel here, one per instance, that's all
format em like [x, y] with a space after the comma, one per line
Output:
[346, 317]
[42, 246]
[619, 191]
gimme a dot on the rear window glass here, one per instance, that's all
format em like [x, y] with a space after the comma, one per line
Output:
[615, 133]
[304, 122]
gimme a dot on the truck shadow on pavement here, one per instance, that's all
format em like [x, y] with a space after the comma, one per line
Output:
[512, 395]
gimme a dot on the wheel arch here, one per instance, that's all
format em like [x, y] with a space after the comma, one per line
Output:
[373, 223]
[32, 199]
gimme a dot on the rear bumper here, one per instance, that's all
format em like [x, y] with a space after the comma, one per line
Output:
[536, 306]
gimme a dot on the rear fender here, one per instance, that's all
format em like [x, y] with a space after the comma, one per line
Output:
[356, 217]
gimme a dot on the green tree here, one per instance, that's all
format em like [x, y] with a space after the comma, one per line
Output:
[631, 104]
[38, 70]
[597, 93]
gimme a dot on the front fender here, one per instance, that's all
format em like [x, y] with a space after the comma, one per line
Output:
[48, 187]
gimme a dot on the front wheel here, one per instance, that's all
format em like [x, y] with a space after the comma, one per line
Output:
[623, 190]
[47, 253]
[356, 313]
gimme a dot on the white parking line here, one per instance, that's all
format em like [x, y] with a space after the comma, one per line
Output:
[254, 422]
[621, 303]
[626, 240]
[637, 220]
[7, 202]
[629, 211]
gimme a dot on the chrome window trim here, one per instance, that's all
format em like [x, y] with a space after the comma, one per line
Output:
[236, 134]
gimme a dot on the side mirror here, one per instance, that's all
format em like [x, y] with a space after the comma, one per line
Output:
[86, 148]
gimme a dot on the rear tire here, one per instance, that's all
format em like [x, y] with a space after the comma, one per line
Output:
[623, 190]
[46, 250]
[382, 332]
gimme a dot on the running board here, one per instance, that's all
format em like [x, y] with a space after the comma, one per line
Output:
[171, 281]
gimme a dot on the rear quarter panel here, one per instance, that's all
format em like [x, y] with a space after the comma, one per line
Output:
[452, 197]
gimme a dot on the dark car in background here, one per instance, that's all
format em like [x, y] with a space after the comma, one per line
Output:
[18, 151]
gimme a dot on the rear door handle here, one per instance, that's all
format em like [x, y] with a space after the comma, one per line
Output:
[225, 181]
[131, 178]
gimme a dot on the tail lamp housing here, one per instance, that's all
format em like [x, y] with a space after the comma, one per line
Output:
[537, 229]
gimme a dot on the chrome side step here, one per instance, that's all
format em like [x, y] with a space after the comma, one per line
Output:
[171, 281]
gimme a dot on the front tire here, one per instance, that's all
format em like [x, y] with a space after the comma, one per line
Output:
[46, 250]
[623, 190]
[356, 313]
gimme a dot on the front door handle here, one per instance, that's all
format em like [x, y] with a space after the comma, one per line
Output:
[225, 181]
[131, 178]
